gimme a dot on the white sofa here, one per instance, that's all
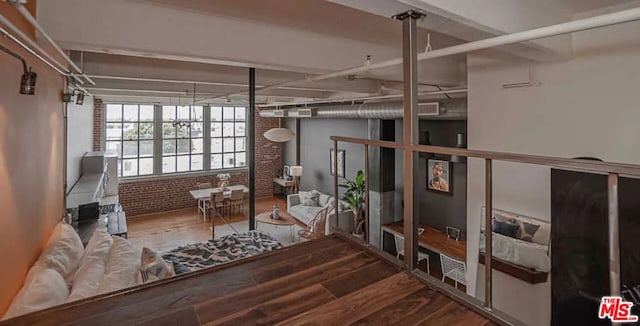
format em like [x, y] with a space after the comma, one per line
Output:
[305, 214]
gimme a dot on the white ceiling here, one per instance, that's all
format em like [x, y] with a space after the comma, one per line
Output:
[580, 6]
[286, 40]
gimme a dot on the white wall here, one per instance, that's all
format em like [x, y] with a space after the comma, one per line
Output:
[79, 136]
[587, 106]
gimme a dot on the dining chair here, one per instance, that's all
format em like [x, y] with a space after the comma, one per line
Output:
[203, 204]
[236, 200]
[217, 202]
[453, 269]
[315, 228]
[399, 240]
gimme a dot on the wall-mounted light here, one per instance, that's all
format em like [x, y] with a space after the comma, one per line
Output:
[80, 98]
[28, 81]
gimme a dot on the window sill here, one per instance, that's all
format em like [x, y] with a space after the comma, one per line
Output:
[180, 175]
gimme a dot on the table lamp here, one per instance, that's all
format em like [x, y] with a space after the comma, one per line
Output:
[296, 171]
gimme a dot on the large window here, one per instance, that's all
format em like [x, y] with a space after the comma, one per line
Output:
[129, 132]
[228, 138]
[182, 138]
[154, 140]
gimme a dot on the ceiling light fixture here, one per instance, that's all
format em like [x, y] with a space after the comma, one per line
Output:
[28, 81]
[279, 135]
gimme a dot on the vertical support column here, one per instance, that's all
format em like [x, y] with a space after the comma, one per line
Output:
[410, 128]
[251, 148]
[206, 133]
[335, 182]
[614, 236]
[488, 254]
[298, 139]
[366, 193]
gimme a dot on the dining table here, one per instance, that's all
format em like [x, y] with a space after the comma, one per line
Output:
[205, 195]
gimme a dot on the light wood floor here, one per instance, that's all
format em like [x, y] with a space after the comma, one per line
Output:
[331, 281]
[169, 230]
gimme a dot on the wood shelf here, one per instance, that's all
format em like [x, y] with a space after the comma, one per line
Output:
[525, 274]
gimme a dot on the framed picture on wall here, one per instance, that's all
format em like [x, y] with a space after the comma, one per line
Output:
[285, 172]
[341, 162]
[439, 176]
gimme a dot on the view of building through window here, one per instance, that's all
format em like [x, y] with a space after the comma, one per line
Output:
[192, 138]
[129, 132]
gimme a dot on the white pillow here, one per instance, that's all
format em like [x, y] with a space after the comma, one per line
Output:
[43, 288]
[63, 252]
[90, 274]
[99, 246]
[123, 266]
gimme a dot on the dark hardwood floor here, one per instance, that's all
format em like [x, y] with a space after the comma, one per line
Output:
[331, 281]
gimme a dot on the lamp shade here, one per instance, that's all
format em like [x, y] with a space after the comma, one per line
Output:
[295, 171]
[279, 135]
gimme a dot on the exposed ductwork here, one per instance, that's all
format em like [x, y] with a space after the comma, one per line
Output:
[446, 110]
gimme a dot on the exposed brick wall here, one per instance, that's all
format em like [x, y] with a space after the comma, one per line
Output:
[165, 194]
[98, 118]
[268, 157]
[150, 196]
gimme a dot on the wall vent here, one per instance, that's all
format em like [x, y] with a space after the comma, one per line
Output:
[278, 113]
[431, 108]
[300, 113]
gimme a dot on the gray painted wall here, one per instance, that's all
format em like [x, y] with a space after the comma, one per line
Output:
[315, 146]
[289, 148]
[80, 136]
[435, 209]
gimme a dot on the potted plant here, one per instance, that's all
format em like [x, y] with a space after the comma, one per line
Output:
[354, 196]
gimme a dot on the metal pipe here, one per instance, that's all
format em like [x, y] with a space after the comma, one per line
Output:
[129, 90]
[365, 98]
[200, 82]
[488, 252]
[615, 18]
[27, 15]
[614, 236]
[449, 110]
[49, 61]
[410, 130]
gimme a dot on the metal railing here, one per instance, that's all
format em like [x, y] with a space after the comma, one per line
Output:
[613, 170]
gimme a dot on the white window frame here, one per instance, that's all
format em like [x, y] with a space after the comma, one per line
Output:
[206, 141]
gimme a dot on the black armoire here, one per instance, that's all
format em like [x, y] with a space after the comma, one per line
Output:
[580, 247]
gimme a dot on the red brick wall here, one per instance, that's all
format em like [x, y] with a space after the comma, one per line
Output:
[150, 196]
[98, 124]
[268, 157]
[165, 194]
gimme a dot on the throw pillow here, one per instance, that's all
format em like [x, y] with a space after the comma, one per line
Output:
[309, 198]
[63, 252]
[527, 231]
[123, 266]
[43, 288]
[505, 228]
[153, 265]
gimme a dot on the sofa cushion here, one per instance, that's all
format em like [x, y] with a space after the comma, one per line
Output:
[304, 213]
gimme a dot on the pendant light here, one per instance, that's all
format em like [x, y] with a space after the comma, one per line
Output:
[279, 135]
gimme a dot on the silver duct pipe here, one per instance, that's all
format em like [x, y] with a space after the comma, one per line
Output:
[449, 110]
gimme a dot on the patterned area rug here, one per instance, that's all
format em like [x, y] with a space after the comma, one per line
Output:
[226, 249]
